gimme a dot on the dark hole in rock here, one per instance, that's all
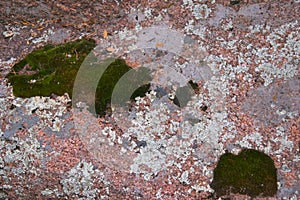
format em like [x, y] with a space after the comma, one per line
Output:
[34, 110]
[203, 108]
[141, 143]
[194, 85]
[12, 107]
[234, 2]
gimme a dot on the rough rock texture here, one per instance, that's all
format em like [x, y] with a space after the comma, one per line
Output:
[244, 56]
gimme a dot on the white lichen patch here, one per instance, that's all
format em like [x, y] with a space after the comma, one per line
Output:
[281, 138]
[12, 31]
[184, 178]
[277, 58]
[4, 106]
[79, 181]
[198, 30]
[8, 62]
[199, 9]
[124, 34]
[24, 153]
[201, 188]
[248, 141]
[281, 60]
[148, 12]
[227, 25]
[148, 163]
[44, 38]
[47, 109]
[167, 138]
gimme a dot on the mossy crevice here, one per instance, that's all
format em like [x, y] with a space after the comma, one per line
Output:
[251, 172]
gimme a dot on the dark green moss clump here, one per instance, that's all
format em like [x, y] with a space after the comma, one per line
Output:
[134, 83]
[51, 69]
[251, 172]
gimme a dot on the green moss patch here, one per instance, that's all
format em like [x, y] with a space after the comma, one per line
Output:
[251, 172]
[53, 69]
[134, 83]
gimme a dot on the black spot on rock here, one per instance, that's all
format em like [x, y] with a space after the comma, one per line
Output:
[141, 143]
[234, 2]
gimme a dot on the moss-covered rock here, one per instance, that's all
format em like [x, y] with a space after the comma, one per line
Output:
[251, 172]
[52, 69]
[134, 83]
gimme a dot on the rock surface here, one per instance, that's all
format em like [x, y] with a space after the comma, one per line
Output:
[244, 57]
